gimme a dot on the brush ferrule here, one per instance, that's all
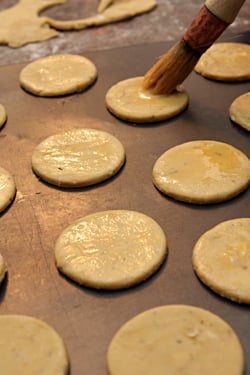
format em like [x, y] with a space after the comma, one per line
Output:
[204, 30]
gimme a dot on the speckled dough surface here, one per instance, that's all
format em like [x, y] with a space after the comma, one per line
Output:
[111, 249]
[78, 157]
[3, 115]
[239, 111]
[129, 102]
[30, 346]
[225, 62]
[7, 189]
[57, 75]
[221, 259]
[2, 268]
[202, 172]
[175, 339]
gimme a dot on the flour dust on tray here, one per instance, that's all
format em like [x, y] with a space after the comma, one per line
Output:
[111, 249]
[58, 75]
[202, 172]
[175, 339]
[221, 259]
[30, 346]
[78, 157]
[128, 101]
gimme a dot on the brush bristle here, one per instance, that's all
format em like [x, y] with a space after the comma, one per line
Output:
[171, 69]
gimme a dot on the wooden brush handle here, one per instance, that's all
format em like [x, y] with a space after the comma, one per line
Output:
[213, 18]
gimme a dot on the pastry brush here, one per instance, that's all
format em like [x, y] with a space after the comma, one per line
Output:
[177, 63]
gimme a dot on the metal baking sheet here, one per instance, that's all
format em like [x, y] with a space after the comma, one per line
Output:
[87, 319]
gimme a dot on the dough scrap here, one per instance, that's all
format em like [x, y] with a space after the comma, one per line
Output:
[225, 62]
[117, 11]
[7, 189]
[57, 75]
[111, 249]
[79, 157]
[221, 259]
[129, 102]
[30, 346]
[202, 172]
[239, 111]
[21, 24]
[3, 115]
[2, 268]
[175, 339]
[103, 4]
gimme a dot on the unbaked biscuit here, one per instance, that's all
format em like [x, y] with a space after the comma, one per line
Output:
[221, 259]
[128, 101]
[78, 157]
[202, 172]
[3, 115]
[29, 346]
[111, 249]
[239, 111]
[2, 268]
[7, 189]
[175, 339]
[225, 62]
[58, 75]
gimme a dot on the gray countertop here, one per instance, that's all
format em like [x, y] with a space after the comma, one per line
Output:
[166, 22]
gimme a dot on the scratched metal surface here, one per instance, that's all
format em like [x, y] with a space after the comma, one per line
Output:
[87, 319]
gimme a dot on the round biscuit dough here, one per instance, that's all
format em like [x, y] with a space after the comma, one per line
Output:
[7, 189]
[221, 259]
[239, 111]
[3, 115]
[175, 339]
[30, 346]
[202, 172]
[225, 62]
[79, 157]
[58, 75]
[2, 268]
[111, 249]
[128, 101]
